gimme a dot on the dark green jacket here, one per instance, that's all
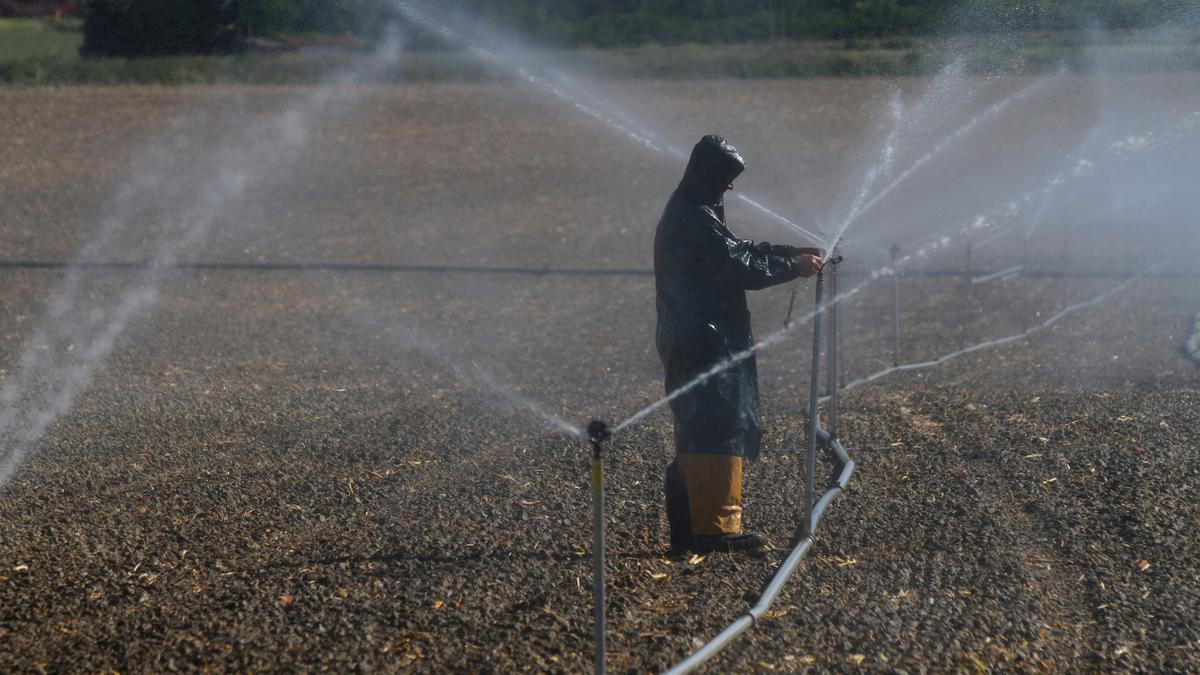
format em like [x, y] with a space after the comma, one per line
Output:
[702, 272]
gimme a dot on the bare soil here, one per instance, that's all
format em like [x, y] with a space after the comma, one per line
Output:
[287, 470]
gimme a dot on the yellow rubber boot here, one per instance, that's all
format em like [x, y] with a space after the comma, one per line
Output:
[714, 490]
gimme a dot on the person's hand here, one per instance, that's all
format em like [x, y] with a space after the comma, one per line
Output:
[809, 264]
[811, 250]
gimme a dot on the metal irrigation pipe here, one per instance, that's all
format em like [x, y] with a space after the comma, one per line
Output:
[895, 308]
[833, 351]
[968, 312]
[542, 270]
[814, 395]
[598, 433]
[839, 328]
[812, 516]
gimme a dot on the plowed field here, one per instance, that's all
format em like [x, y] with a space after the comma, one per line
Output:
[298, 469]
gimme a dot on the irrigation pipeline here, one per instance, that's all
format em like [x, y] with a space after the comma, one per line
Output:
[597, 433]
[301, 266]
[515, 270]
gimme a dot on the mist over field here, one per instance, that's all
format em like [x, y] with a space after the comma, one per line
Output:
[298, 347]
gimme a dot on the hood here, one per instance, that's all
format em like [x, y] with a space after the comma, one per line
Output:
[713, 165]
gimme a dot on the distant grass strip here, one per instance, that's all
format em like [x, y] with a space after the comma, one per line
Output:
[36, 39]
[795, 59]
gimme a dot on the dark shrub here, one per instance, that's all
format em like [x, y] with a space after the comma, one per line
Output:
[158, 27]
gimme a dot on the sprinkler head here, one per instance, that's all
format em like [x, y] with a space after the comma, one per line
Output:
[835, 260]
[598, 432]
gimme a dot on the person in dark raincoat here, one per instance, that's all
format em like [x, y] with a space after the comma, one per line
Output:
[702, 272]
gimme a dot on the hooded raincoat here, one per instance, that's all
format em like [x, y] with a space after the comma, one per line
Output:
[702, 272]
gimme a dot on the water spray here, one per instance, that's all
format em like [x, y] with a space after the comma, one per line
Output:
[567, 90]
[938, 240]
[1191, 347]
[857, 213]
[598, 433]
[52, 375]
[1027, 332]
[994, 236]
[1001, 275]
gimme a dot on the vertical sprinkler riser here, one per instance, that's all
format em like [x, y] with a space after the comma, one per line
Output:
[598, 433]
[833, 347]
[830, 335]
[895, 308]
[840, 362]
[1025, 272]
[1066, 253]
[814, 421]
[968, 290]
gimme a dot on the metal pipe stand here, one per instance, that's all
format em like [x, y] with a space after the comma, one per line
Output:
[598, 433]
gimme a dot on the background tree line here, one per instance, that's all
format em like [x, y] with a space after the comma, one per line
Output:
[156, 27]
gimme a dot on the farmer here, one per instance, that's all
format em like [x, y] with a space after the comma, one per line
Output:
[702, 272]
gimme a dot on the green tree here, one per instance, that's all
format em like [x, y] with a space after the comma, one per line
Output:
[266, 17]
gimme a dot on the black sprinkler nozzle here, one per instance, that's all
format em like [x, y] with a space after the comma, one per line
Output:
[835, 260]
[598, 431]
